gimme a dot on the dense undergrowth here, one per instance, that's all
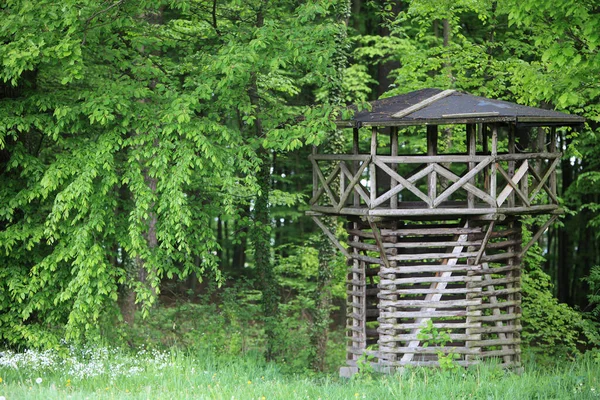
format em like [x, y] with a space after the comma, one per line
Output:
[102, 373]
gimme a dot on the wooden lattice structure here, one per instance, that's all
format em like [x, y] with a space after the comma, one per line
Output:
[437, 236]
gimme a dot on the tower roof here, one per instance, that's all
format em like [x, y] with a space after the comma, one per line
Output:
[441, 107]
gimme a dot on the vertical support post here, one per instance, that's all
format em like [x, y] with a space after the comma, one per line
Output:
[511, 164]
[471, 151]
[372, 167]
[494, 165]
[552, 149]
[315, 178]
[355, 150]
[394, 166]
[483, 128]
[432, 145]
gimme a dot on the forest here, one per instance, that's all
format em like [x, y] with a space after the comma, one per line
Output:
[154, 170]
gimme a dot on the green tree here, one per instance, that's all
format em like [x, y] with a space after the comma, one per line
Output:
[126, 129]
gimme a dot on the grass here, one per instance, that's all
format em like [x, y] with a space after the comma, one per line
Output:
[113, 374]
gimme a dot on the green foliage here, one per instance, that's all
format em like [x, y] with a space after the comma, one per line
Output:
[129, 129]
[550, 328]
[431, 335]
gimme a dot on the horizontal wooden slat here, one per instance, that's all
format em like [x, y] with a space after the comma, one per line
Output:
[430, 314]
[432, 279]
[428, 303]
[431, 256]
[383, 293]
[417, 336]
[502, 304]
[426, 350]
[496, 318]
[494, 282]
[495, 342]
[497, 329]
[436, 325]
[430, 268]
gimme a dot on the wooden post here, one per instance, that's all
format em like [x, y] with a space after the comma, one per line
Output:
[552, 149]
[372, 167]
[511, 164]
[432, 144]
[355, 151]
[494, 165]
[484, 143]
[471, 151]
[394, 166]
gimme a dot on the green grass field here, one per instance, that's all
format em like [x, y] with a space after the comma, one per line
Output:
[112, 374]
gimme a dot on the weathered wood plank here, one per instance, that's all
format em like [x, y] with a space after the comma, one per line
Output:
[399, 187]
[430, 268]
[432, 279]
[423, 104]
[351, 185]
[357, 186]
[429, 256]
[404, 182]
[331, 237]
[428, 303]
[542, 181]
[512, 184]
[404, 338]
[451, 176]
[444, 291]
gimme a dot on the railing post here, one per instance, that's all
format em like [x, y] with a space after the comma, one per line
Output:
[372, 167]
[471, 151]
[432, 144]
[485, 149]
[394, 166]
[494, 165]
[355, 150]
[511, 164]
[552, 149]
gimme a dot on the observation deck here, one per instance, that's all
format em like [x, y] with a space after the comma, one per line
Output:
[508, 165]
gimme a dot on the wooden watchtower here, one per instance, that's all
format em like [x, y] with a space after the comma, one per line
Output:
[436, 236]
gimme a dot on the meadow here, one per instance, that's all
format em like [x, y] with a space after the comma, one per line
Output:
[105, 373]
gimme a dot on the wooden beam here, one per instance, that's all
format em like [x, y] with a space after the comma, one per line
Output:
[372, 168]
[358, 188]
[379, 242]
[355, 151]
[543, 180]
[486, 238]
[472, 115]
[471, 151]
[325, 183]
[462, 181]
[432, 148]
[401, 187]
[513, 185]
[493, 175]
[331, 237]
[351, 185]
[407, 184]
[538, 234]
[394, 153]
[423, 104]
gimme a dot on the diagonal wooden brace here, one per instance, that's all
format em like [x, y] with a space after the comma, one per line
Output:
[331, 237]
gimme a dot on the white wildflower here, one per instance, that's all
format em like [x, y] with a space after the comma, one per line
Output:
[38, 381]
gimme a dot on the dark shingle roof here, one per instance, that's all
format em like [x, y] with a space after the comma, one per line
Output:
[454, 108]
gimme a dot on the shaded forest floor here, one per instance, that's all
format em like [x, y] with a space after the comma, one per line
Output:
[101, 373]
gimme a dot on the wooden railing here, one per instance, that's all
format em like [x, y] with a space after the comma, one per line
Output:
[362, 184]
